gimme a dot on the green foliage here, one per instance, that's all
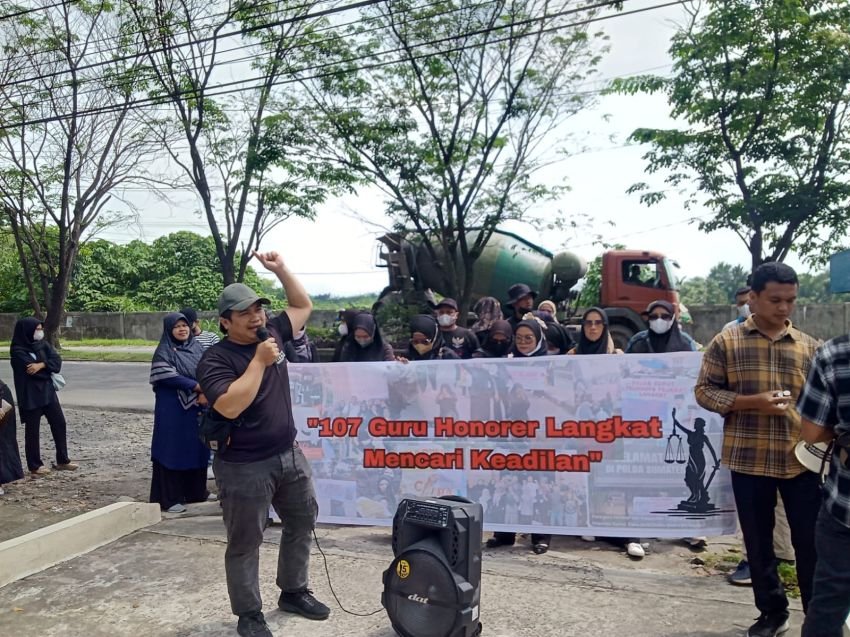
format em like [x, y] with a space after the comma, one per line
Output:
[591, 292]
[763, 87]
[175, 270]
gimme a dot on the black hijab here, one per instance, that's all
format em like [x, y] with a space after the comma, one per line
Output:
[585, 345]
[672, 340]
[351, 350]
[557, 336]
[22, 339]
[537, 330]
[427, 325]
[496, 349]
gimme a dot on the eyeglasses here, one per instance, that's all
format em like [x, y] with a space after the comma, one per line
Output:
[525, 339]
[663, 317]
[593, 322]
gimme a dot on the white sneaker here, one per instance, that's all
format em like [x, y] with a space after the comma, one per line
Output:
[634, 549]
[176, 508]
[1, 491]
[210, 474]
[588, 538]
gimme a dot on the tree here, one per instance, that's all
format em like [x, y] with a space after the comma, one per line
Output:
[245, 188]
[702, 291]
[450, 108]
[69, 139]
[174, 271]
[762, 88]
[727, 279]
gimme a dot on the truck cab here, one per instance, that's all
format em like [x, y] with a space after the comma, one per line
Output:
[631, 280]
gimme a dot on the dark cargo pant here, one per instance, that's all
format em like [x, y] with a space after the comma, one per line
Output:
[246, 490]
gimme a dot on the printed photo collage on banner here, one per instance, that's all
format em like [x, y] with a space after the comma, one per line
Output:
[565, 445]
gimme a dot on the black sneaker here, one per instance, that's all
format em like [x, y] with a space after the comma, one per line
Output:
[303, 603]
[769, 625]
[253, 625]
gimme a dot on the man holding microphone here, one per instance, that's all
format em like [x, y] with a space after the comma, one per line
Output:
[245, 379]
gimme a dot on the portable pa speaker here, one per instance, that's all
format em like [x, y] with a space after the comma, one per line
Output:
[433, 586]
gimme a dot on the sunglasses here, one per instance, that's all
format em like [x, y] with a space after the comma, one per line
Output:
[593, 322]
[663, 317]
[525, 339]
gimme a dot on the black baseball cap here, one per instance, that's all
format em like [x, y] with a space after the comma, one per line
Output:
[447, 303]
[238, 296]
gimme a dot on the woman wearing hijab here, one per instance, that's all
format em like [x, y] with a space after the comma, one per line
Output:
[33, 362]
[529, 342]
[364, 342]
[179, 459]
[426, 340]
[344, 328]
[488, 310]
[663, 334]
[10, 458]
[498, 342]
[595, 339]
[301, 349]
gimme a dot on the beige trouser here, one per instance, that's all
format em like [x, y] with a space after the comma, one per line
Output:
[781, 534]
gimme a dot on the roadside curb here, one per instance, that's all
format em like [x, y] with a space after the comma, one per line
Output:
[41, 549]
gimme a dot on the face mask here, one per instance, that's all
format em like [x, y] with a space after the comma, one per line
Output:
[363, 342]
[445, 320]
[423, 348]
[499, 348]
[342, 329]
[660, 326]
[744, 310]
[38, 335]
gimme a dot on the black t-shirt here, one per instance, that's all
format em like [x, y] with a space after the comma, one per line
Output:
[461, 341]
[267, 424]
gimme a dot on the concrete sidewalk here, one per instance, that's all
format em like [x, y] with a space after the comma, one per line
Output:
[169, 580]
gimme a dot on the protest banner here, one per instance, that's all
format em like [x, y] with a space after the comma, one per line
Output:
[571, 445]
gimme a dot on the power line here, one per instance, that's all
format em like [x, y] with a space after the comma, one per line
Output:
[23, 12]
[212, 92]
[204, 40]
[222, 63]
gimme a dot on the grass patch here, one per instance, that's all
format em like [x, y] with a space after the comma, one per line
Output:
[93, 355]
[788, 575]
[100, 342]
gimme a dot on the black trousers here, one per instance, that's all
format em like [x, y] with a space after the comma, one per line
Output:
[755, 498]
[831, 599]
[32, 424]
[509, 537]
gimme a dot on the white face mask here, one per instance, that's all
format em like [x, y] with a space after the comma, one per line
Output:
[744, 310]
[660, 326]
[38, 335]
[342, 329]
[445, 320]
[363, 342]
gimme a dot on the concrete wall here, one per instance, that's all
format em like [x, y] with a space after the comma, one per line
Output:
[822, 321]
[118, 325]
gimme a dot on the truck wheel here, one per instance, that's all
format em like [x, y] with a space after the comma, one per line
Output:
[621, 335]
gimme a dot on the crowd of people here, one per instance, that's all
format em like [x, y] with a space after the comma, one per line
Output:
[771, 383]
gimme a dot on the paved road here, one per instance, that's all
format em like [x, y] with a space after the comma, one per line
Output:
[108, 385]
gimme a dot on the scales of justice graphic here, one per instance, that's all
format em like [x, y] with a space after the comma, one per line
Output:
[698, 505]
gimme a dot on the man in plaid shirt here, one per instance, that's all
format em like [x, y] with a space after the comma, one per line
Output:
[752, 374]
[825, 411]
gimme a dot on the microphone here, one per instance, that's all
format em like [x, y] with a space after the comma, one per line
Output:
[262, 334]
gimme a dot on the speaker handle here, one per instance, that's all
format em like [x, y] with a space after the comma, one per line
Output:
[456, 498]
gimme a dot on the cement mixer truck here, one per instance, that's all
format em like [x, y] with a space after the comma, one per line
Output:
[631, 279]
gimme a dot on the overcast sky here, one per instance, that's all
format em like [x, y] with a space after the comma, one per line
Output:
[336, 253]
